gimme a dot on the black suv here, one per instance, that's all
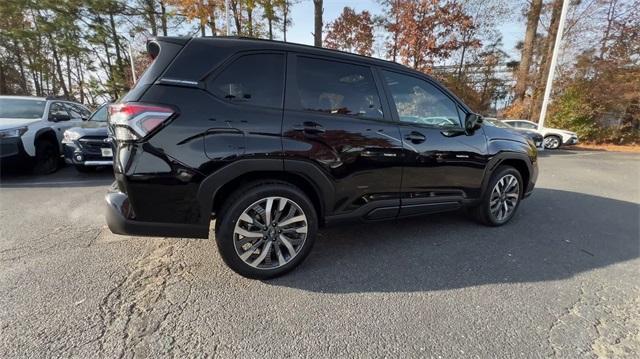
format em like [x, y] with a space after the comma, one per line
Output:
[274, 140]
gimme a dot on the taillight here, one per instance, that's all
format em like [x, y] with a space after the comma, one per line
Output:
[133, 121]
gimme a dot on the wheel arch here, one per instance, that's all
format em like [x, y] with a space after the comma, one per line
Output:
[520, 161]
[216, 187]
[46, 133]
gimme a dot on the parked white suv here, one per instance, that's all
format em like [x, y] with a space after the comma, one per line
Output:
[553, 137]
[32, 128]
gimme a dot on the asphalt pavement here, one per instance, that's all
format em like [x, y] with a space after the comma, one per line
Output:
[561, 280]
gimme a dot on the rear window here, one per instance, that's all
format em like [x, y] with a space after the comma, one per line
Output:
[256, 79]
[337, 88]
[21, 108]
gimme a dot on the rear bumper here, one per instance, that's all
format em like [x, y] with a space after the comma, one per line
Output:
[121, 220]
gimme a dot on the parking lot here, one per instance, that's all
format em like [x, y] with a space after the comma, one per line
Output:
[561, 280]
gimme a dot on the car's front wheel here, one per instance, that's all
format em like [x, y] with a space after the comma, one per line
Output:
[502, 197]
[47, 157]
[266, 229]
[552, 142]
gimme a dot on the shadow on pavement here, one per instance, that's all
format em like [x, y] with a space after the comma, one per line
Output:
[556, 234]
[66, 176]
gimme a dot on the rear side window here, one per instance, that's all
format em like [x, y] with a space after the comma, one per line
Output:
[77, 111]
[256, 79]
[337, 88]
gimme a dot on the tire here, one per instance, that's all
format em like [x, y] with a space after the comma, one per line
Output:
[84, 169]
[484, 212]
[47, 157]
[552, 142]
[245, 254]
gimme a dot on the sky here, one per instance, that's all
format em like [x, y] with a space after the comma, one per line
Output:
[302, 14]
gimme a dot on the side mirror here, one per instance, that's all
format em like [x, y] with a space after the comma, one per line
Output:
[472, 122]
[59, 117]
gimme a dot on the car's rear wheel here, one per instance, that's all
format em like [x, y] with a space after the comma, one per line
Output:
[552, 142]
[502, 198]
[47, 157]
[266, 229]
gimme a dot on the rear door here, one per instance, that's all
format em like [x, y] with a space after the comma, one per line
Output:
[442, 165]
[335, 118]
[247, 118]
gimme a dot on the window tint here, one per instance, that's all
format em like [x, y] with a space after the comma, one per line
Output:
[252, 79]
[418, 101]
[528, 125]
[100, 115]
[337, 88]
[76, 111]
[57, 109]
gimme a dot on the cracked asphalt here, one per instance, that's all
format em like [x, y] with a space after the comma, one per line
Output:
[561, 280]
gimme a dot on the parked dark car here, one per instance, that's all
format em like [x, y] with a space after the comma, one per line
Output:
[534, 136]
[273, 140]
[88, 145]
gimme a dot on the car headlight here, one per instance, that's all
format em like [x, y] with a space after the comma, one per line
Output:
[13, 132]
[70, 136]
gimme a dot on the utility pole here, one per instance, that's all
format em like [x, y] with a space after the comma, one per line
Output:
[552, 66]
[226, 14]
[133, 68]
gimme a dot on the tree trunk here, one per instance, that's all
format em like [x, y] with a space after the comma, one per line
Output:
[250, 20]
[545, 63]
[527, 50]
[270, 22]
[461, 64]
[285, 16]
[80, 80]
[23, 75]
[56, 60]
[3, 81]
[163, 18]
[396, 33]
[212, 21]
[317, 23]
[150, 8]
[116, 43]
[236, 16]
[70, 86]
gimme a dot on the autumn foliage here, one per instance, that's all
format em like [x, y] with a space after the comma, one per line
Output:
[351, 32]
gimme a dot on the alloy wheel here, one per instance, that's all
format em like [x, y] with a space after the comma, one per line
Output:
[504, 197]
[551, 142]
[270, 233]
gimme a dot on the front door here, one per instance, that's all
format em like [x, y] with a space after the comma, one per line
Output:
[442, 165]
[334, 117]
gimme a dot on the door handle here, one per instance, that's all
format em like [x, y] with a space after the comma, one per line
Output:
[415, 137]
[309, 128]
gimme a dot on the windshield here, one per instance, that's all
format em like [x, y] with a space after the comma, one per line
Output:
[496, 123]
[21, 108]
[100, 115]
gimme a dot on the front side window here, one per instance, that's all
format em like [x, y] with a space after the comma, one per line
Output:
[528, 125]
[256, 79]
[419, 102]
[337, 88]
[57, 110]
